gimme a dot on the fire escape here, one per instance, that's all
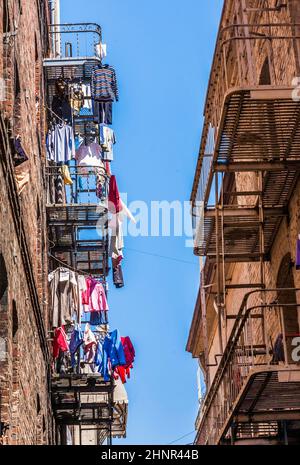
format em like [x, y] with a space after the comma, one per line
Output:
[92, 409]
[254, 137]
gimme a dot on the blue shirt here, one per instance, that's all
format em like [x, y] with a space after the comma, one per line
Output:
[113, 351]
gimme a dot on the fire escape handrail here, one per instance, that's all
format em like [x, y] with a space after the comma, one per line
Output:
[69, 28]
[240, 321]
[220, 55]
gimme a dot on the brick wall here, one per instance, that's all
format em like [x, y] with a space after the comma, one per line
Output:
[25, 398]
[283, 56]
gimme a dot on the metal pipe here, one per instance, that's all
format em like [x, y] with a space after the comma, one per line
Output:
[203, 308]
[218, 263]
[56, 21]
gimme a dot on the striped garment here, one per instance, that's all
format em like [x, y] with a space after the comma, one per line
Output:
[104, 84]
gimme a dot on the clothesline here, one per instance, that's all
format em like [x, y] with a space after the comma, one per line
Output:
[49, 109]
[71, 268]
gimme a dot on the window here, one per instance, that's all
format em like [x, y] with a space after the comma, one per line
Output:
[265, 75]
[15, 320]
[5, 19]
[3, 279]
[38, 404]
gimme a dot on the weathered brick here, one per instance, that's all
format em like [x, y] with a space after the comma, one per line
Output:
[23, 376]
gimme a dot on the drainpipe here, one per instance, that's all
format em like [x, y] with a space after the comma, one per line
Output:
[57, 45]
[55, 19]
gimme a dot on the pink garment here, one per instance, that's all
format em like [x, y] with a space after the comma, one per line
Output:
[86, 294]
[89, 155]
[94, 298]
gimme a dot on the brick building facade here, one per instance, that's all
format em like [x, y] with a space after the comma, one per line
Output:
[25, 407]
[248, 189]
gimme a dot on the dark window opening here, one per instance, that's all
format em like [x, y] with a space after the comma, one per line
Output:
[38, 210]
[3, 279]
[5, 19]
[38, 403]
[15, 319]
[265, 75]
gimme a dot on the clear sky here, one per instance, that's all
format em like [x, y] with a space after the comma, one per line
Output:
[162, 52]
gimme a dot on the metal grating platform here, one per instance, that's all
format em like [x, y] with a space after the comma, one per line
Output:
[75, 214]
[259, 124]
[241, 229]
[259, 131]
[266, 394]
[87, 401]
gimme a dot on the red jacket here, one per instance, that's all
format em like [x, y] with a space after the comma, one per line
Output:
[114, 201]
[60, 342]
[128, 350]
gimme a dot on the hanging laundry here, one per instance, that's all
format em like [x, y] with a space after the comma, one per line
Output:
[22, 165]
[76, 98]
[62, 363]
[90, 344]
[118, 275]
[129, 350]
[98, 360]
[104, 84]
[64, 297]
[60, 342]
[107, 141]
[22, 176]
[66, 175]
[107, 168]
[19, 156]
[100, 182]
[60, 143]
[94, 298]
[127, 212]
[116, 240]
[113, 353]
[101, 50]
[114, 200]
[60, 193]
[75, 343]
[78, 141]
[90, 155]
[102, 112]
[124, 371]
[87, 109]
[98, 318]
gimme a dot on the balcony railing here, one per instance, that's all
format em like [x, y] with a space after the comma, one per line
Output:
[75, 40]
[254, 373]
[241, 44]
[88, 186]
[77, 216]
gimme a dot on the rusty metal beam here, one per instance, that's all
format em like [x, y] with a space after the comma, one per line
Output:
[249, 166]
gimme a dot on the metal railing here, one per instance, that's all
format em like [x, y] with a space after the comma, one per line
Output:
[80, 185]
[231, 42]
[258, 340]
[76, 39]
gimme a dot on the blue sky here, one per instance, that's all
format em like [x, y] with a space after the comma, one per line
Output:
[162, 52]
